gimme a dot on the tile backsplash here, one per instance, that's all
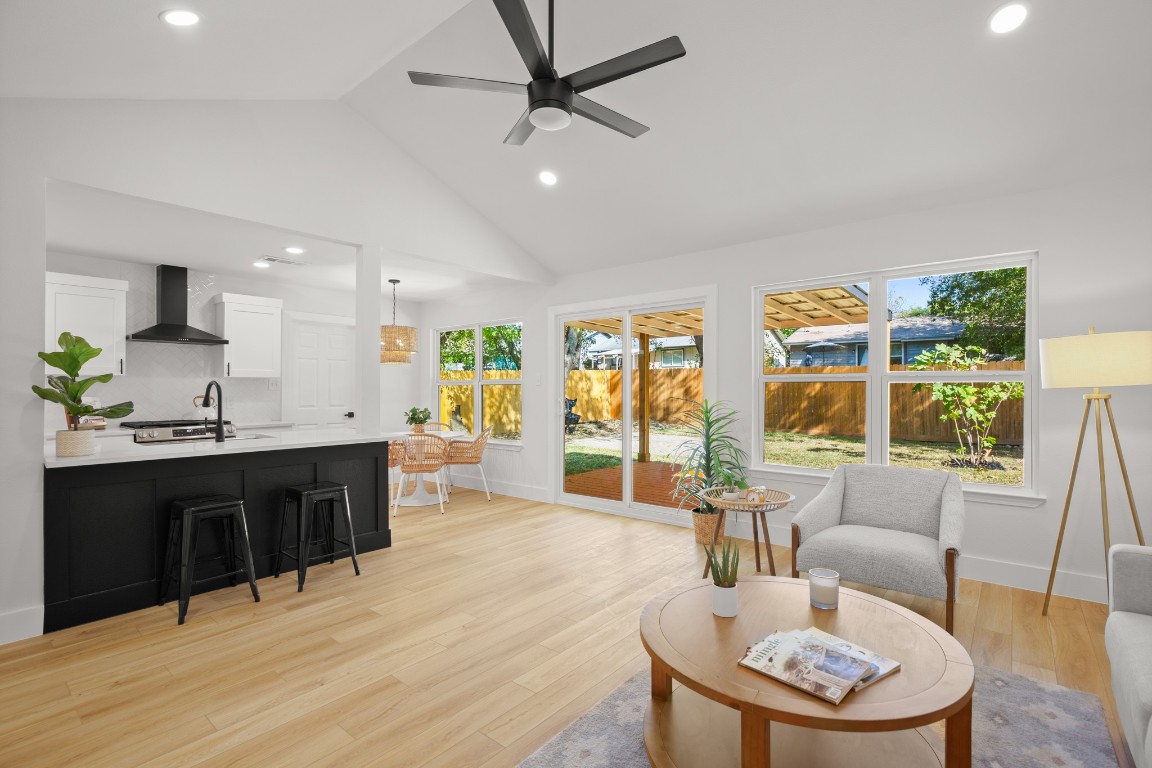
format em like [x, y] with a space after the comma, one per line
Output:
[162, 379]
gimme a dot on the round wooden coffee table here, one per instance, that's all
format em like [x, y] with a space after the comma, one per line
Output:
[726, 715]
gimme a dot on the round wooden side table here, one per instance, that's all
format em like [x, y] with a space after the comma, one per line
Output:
[773, 500]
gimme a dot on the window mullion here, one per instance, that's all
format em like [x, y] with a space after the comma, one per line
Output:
[875, 422]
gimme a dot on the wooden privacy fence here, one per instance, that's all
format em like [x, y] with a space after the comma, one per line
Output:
[501, 402]
[809, 407]
[598, 393]
[837, 408]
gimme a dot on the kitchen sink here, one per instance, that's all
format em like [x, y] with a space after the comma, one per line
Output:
[249, 437]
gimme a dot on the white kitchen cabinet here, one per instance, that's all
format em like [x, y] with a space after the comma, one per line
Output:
[252, 326]
[92, 307]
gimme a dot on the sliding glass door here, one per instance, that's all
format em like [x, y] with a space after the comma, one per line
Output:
[593, 407]
[659, 353]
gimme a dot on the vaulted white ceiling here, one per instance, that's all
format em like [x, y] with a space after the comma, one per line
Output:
[782, 117]
[241, 49]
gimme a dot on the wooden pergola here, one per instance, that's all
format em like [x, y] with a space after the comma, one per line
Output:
[677, 322]
[835, 305]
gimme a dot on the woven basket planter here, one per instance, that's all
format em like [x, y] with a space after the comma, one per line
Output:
[705, 526]
[71, 442]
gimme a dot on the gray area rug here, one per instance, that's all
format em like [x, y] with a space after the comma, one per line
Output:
[1016, 723]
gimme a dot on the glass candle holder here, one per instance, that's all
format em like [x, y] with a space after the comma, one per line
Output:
[824, 588]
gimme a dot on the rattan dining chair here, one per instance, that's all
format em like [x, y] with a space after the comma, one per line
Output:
[395, 459]
[465, 452]
[423, 455]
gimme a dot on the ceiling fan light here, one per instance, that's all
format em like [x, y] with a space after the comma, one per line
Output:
[550, 118]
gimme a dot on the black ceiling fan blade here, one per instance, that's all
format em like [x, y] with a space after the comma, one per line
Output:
[521, 131]
[601, 114]
[523, 32]
[627, 64]
[468, 83]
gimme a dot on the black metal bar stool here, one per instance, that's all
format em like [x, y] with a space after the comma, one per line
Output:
[184, 531]
[312, 501]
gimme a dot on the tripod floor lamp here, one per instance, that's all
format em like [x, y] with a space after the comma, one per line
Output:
[1094, 361]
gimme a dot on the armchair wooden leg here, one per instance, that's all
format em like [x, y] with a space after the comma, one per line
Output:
[950, 574]
[795, 546]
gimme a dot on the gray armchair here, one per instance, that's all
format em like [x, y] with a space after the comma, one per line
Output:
[1128, 638]
[890, 527]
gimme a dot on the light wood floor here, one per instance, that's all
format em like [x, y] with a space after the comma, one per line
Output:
[475, 638]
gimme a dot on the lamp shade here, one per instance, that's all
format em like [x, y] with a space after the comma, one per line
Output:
[397, 343]
[1097, 360]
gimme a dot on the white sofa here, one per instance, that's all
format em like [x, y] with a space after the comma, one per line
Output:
[1128, 638]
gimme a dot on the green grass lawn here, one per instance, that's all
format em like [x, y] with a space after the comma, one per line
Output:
[828, 452]
[587, 459]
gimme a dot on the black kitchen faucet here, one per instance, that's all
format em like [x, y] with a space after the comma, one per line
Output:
[219, 407]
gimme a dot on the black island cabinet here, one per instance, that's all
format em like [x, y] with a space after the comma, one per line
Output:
[106, 525]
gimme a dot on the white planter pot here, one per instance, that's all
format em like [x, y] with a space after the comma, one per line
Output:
[80, 442]
[725, 601]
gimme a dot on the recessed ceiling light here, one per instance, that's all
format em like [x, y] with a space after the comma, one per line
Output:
[547, 177]
[295, 250]
[1008, 17]
[180, 18]
[261, 264]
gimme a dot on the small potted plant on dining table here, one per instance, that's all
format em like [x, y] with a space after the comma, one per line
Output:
[68, 390]
[417, 418]
[710, 457]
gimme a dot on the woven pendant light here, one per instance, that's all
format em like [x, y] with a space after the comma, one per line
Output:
[397, 342]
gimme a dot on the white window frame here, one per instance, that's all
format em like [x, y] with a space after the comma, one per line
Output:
[477, 382]
[878, 379]
[671, 353]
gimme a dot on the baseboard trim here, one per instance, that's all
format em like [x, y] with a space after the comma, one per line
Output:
[21, 624]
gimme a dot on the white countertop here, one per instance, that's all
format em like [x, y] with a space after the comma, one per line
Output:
[110, 451]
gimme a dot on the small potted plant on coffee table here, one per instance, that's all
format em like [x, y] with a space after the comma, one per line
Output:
[68, 390]
[417, 418]
[725, 599]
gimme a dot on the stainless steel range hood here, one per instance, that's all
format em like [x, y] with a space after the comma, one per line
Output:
[172, 312]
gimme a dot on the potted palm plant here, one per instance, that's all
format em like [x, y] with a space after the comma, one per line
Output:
[710, 457]
[417, 417]
[725, 599]
[68, 390]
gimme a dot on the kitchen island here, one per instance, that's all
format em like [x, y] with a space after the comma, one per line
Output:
[106, 515]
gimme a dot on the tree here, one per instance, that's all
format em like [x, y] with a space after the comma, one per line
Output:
[576, 343]
[502, 346]
[458, 350]
[991, 302]
[970, 407]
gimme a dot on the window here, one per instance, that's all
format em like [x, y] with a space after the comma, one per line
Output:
[673, 358]
[952, 393]
[479, 372]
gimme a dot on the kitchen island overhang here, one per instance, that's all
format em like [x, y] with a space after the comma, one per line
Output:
[106, 516]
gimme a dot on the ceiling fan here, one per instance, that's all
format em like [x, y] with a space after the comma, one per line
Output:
[553, 99]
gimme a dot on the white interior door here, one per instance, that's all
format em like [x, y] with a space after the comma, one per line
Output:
[318, 372]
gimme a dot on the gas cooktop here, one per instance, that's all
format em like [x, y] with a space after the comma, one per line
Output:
[176, 430]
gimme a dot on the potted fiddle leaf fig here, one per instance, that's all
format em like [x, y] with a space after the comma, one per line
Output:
[68, 391]
[710, 457]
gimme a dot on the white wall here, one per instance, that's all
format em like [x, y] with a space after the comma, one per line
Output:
[313, 167]
[1095, 267]
[162, 378]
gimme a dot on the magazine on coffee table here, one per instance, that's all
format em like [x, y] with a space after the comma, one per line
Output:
[882, 666]
[808, 663]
